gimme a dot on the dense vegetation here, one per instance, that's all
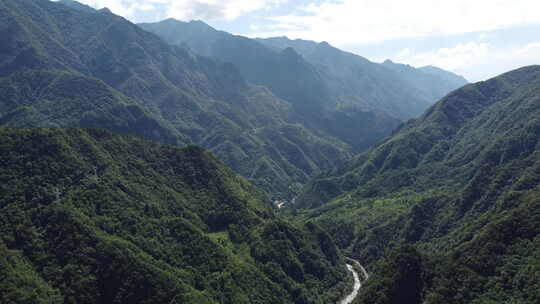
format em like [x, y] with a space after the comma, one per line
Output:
[91, 217]
[461, 183]
[500, 264]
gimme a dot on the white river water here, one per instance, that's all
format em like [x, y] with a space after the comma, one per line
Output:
[357, 283]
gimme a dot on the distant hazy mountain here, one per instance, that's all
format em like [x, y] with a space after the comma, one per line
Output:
[463, 183]
[398, 88]
[451, 78]
[432, 82]
[285, 72]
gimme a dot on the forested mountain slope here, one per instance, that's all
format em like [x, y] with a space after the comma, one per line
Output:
[462, 183]
[71, 66]
[91, 217]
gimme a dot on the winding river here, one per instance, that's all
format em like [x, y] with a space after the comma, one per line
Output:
[357, 283]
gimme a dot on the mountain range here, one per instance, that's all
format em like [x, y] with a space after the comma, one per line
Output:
[278, 130]
[342, 94]
[141, 162]
[342, 79]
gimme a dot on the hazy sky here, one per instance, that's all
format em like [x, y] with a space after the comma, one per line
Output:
[474, 38]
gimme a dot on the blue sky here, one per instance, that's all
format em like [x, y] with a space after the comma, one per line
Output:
[477, 39]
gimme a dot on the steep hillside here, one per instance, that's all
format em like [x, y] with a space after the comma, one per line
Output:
[72, 66]
[462, 183]
[91, 217]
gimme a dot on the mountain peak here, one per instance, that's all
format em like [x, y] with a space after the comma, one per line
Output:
[325, 44]
[199, 22]
[105, 10]
[77, 5]
[170, 20]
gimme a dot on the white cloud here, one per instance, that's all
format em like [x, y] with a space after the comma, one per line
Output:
[185, 9]
[475, 60]
[236, 8]
[454, 59]
[528, 50]
[117, 6]
[146, 7]
[353, 21]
